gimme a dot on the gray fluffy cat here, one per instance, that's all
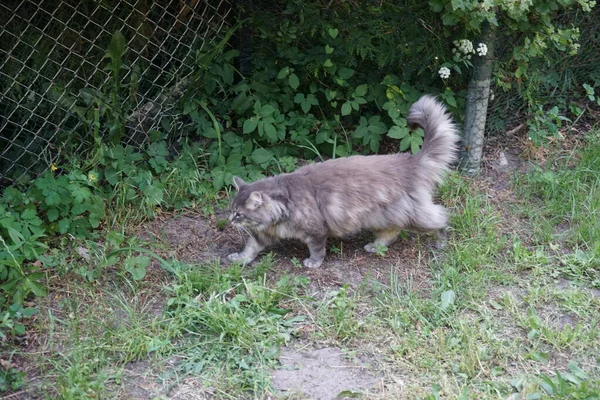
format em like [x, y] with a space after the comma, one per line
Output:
[381, 193]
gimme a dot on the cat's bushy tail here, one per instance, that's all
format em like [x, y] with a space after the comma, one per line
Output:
[440, 145]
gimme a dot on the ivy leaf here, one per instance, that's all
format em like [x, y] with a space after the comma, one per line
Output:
[333, 32]
[328, 49]
[328, 63]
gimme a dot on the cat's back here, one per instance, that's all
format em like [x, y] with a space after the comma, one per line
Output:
[354, 170]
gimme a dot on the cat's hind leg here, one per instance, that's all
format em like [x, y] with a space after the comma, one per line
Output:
[432, 218]
[383, 237]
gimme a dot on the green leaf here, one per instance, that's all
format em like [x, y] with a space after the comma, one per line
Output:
[449, 19]
[136, 266]
[267, 110]
[361, 90]
[261, 156]
[333, 32]
[250, 125]
[15, 235]
[415, 144]
[64, 225]
[328, 49]
[154, 194]
[328, 63]
[283, 72]
[294, 81]
[448, 298]
[36, 288]
[348, 394]
[346, 108]
[52, 214]
[52, 198]
[137, 273]
[450, 100]
[112, 175]
[29, 214]
[271, 131]
[116, 48]
[397, 132]
[247, 147]
[346, 73]
[405, 143]
[305, 106]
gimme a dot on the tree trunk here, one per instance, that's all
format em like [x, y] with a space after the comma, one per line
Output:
[478, 95]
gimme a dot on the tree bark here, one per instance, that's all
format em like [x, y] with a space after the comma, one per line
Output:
[478, 95]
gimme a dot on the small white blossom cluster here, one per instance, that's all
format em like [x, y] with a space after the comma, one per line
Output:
[481, 49]
[464, 46]
[463, 50]
[444, 72]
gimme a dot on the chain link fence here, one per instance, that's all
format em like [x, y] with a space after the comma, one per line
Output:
[57, 79]
[62, 68]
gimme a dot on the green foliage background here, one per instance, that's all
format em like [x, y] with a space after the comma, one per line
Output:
[325, 79]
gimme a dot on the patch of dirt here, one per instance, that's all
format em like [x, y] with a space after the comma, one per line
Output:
[322, 374]
[193, 238]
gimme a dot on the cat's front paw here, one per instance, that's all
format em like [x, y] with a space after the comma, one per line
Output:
[237, 257]
[310, 263]
[371, 248]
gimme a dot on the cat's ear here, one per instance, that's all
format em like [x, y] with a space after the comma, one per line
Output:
[255, 200]
[238, 183]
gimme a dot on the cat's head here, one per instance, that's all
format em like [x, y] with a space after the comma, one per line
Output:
[256, 206]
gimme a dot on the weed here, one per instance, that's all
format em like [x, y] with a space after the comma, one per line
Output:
[337, 315]
[240, 322]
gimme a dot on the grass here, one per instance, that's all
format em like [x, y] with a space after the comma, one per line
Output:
[507, 310]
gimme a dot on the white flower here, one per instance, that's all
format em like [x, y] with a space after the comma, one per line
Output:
[482, 49]
[465, 46]
[444, 72]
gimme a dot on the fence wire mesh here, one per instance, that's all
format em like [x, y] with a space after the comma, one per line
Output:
[55, 76]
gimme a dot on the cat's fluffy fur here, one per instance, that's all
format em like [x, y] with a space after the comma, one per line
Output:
[381, 193]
